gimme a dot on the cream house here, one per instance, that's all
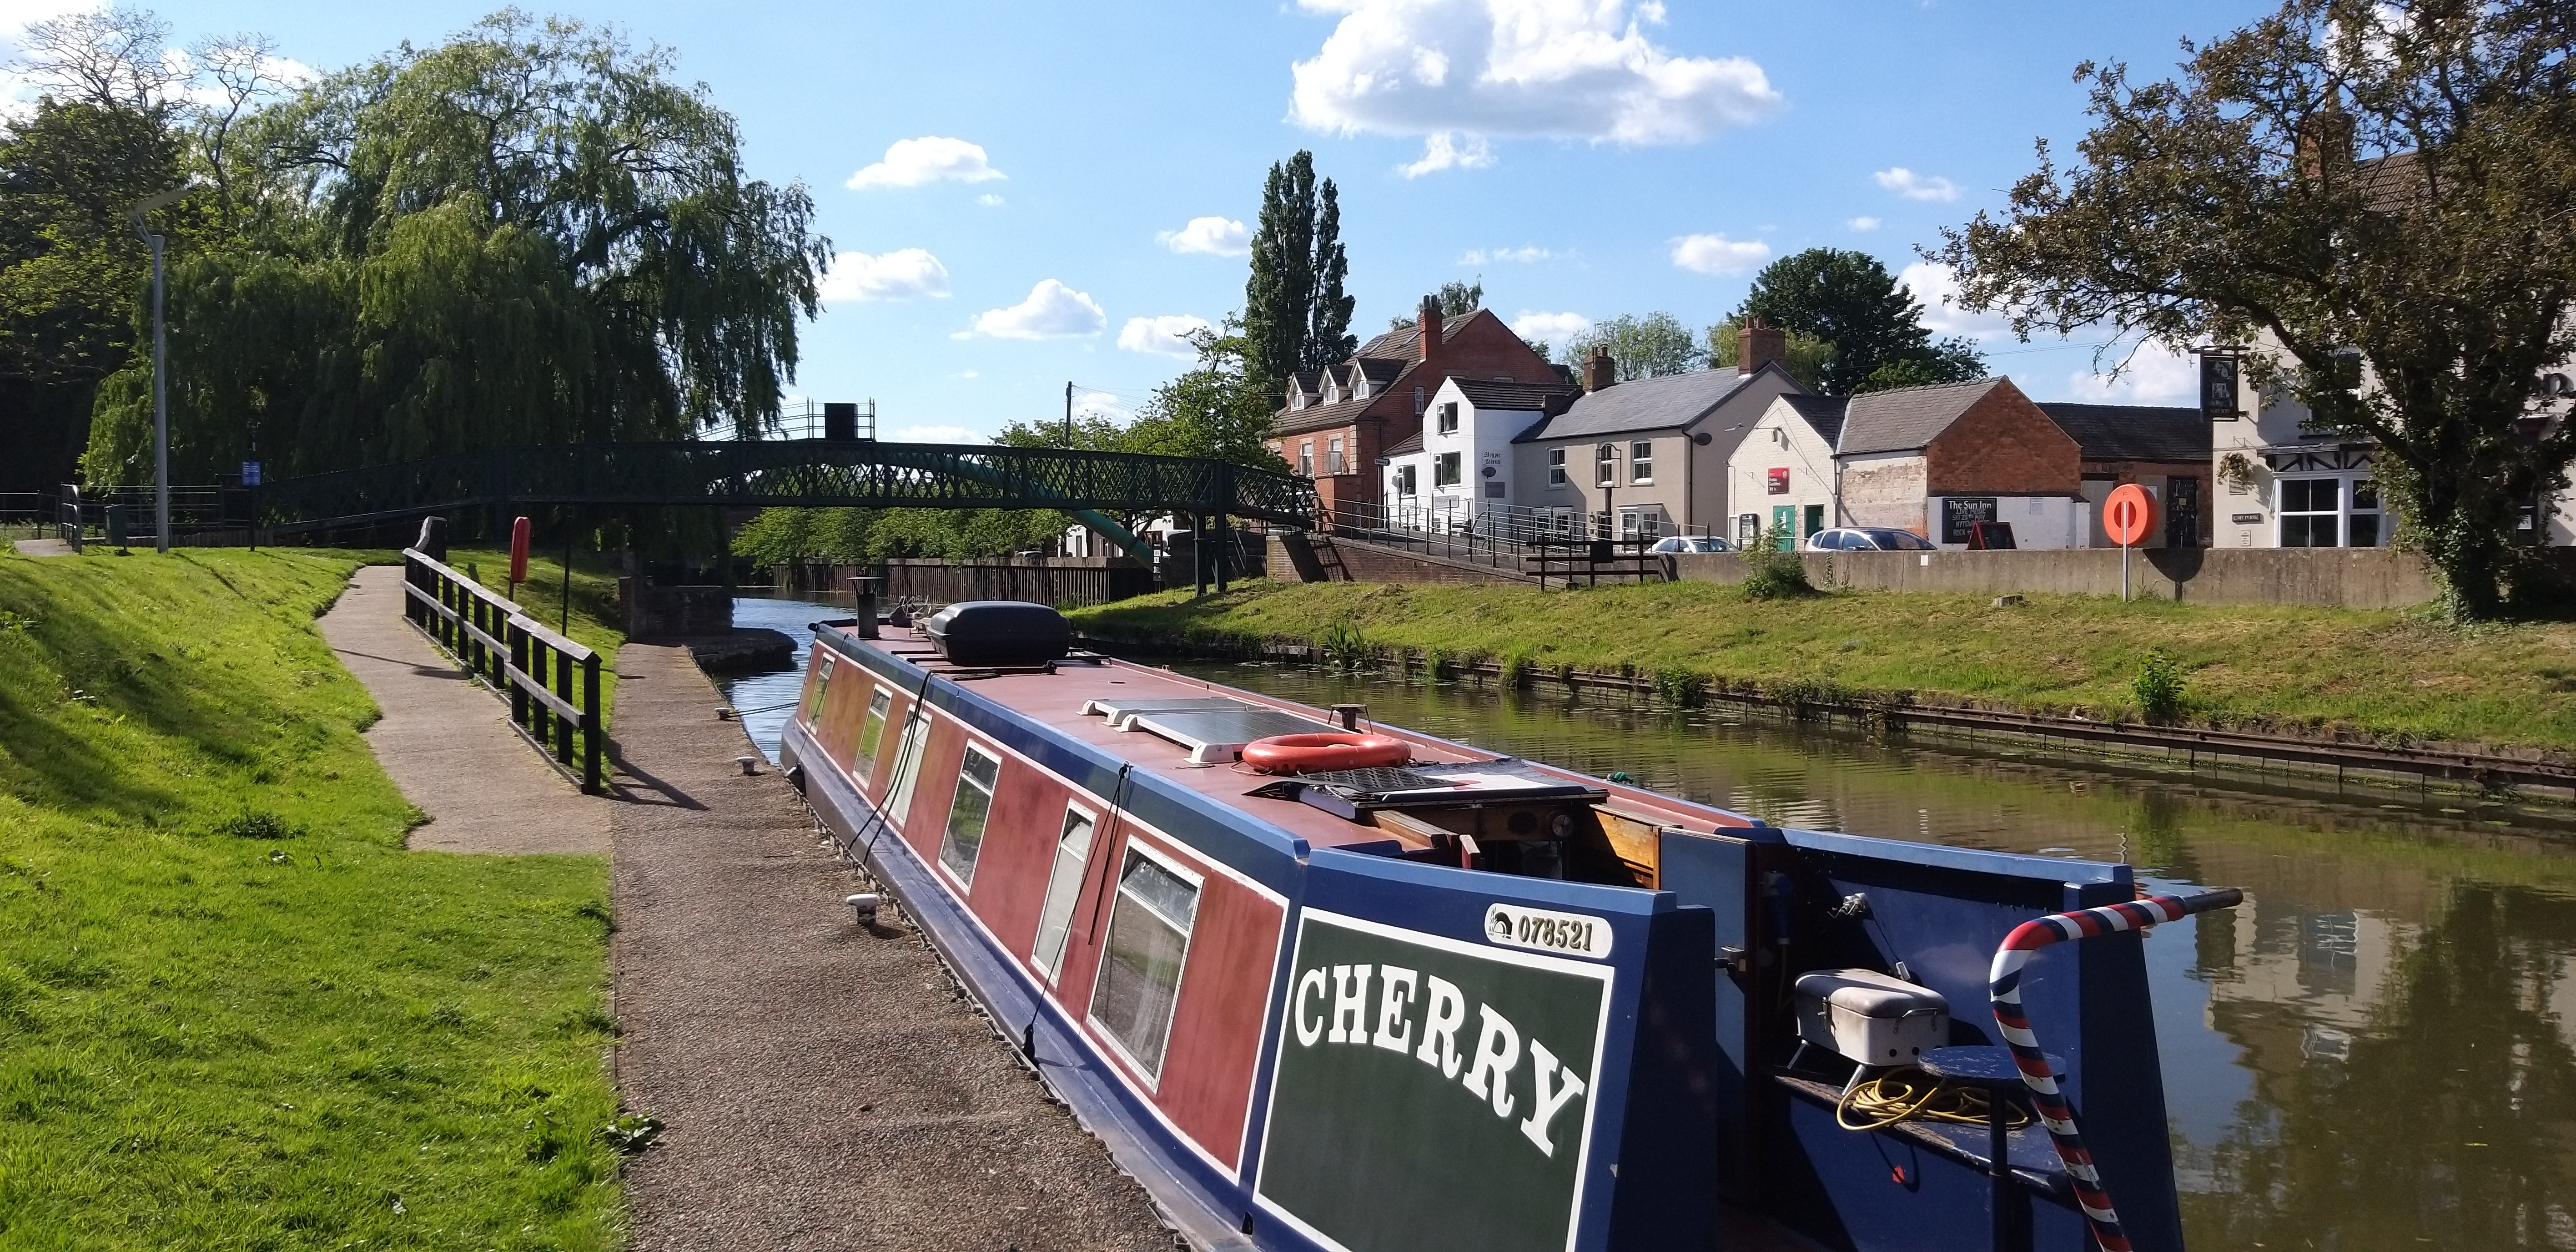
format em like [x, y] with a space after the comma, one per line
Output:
[1783, 474]
[1646, 457]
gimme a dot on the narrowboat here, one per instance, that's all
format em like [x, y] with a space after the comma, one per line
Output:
[1390, 993]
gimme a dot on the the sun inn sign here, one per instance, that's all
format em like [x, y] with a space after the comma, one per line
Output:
[1435, 1094]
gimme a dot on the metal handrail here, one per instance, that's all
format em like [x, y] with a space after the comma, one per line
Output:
[516, 656]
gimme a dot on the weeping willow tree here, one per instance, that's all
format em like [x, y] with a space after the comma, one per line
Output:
[527, 234]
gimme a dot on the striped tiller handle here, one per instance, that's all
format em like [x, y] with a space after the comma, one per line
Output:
[2054, 1112]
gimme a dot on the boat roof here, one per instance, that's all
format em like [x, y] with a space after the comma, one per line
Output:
[1069, 700]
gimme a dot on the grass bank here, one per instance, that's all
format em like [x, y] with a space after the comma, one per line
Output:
[234, 1012]
[2392, 675]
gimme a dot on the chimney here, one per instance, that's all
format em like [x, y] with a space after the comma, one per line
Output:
[1430, 336]
[2326, 142]
[1599, 370]
[1759, 344]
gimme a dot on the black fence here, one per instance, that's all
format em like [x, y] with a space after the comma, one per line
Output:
[529, 665]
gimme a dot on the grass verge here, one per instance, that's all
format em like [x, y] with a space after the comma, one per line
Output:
[234, 1012]
[2397, 676]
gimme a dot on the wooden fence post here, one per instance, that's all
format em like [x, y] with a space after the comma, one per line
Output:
[593, 732]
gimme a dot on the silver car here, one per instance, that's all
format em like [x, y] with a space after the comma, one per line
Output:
[1690, 543]
[1867, 539]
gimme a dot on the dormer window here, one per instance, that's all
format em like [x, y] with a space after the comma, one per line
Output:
[1359, 387]
[1332, 392]
[1449, 417]
[1296, 400]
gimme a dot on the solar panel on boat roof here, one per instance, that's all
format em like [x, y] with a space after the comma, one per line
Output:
[1218, 735]
[1121, 710]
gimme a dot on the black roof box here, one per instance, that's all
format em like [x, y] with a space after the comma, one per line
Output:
[999, 632]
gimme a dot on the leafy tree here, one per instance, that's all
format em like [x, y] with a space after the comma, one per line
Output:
[2341, 178]
[1296, 315]
[1805, 357]
[1849, 300]
[1644, 347]
[1455, 298]
[527, 234]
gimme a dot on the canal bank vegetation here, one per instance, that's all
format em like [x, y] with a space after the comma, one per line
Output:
[2394, 676]
[233, 1009]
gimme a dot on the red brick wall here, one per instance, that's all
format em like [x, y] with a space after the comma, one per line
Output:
[2003, 445]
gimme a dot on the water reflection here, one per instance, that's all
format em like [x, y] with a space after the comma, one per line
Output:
[2377, 1051]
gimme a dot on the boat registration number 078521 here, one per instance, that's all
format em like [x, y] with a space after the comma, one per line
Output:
[1577, 934]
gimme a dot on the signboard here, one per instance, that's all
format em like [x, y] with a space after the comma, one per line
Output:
[2218, 386]
[250, 473]
[1960, 512]
[1432, 1093]
[1779, 482]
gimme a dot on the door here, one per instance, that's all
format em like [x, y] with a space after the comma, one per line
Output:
[1785, 516]
[1815, 520]
[2182, 512]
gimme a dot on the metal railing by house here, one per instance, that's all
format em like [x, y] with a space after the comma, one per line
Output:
[1534, 543]
[519, 659]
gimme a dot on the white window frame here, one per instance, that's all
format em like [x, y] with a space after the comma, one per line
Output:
[1448, 417]
[1053, 965]
[2338, 516]
[1407, 483]
[1641, 462]
[1448, 469]
[965, 878]
[1306, 458]
[1334, 460]
[1605, 465]
[1153, 1076]
[907, 765]
[1556, 468]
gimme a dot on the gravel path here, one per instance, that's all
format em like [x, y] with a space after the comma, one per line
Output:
[823, 1086]
[447, 741]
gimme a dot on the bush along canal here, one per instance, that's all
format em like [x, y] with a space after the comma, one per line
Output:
[2376, 1050]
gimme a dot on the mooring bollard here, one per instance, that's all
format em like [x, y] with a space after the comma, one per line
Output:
[750, 765]
[864, 905]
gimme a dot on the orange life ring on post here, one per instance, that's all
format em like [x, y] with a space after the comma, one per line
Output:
[1324, 752]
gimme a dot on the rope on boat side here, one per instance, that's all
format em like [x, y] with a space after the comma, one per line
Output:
[2005, 988]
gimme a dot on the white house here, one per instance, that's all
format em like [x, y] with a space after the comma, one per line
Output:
[1460, 467]
[1782, 474]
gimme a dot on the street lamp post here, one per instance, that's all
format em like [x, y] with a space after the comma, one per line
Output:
[160, 371]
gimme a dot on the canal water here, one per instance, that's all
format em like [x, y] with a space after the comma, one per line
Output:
[2376, 1051]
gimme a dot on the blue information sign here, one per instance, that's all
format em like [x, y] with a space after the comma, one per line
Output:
[250, 473]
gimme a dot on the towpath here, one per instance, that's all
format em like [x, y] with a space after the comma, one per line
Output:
[824, 1086]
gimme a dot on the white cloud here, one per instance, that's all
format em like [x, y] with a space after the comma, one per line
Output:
[896, 275]
[989, 200]
[1442, 151]
[1167, 335]
[1553, 328]
[1863, 223]
[1913, 186]
[1574, 69]
[1102, 405]
[2156, 375]
[1215, 236]
[1717, 254]
[1522, 256]
[1937, 288]
[1052, 311]
[933, 434]
[929, 159]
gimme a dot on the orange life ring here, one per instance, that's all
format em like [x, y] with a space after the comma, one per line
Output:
[1324, 751]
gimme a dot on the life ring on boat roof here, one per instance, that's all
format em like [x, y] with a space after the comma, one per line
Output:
[1324, 752]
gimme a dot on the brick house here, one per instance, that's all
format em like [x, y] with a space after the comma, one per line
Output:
[1337, 421]
[2162, 448]
[1933, 459]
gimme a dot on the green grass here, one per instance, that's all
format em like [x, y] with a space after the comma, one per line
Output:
[2392, 675]
[234, 1012]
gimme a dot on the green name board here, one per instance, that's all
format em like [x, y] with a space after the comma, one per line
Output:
[1432, 1093]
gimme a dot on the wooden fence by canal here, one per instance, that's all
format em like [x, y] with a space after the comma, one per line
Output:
[518, 659]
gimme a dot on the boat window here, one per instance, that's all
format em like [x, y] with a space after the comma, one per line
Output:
[822, 683]
[1140, 976]
[873, 732]
[968, 812]
[907, 765]
[1064, 885]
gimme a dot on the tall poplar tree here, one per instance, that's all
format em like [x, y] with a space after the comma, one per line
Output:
[1296, 315]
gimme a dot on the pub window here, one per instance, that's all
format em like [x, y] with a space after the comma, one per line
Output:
[2364, 523]
[873, 732]
[1405, 484]
[1140, 974]
[967, 813]
[1064, 886]
[1449, 418]
[1641, 461]
[1605, 465]
[2310, 512]
[1556, 467]
[1445, 470]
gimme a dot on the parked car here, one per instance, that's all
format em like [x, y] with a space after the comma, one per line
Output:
[1867, 539]
[1690, 543]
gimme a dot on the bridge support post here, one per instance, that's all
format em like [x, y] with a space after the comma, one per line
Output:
[1224, 553]
[1199, 549]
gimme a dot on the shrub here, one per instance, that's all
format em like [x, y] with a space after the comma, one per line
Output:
[2158, 686]
[1518, 670]
[1434, 662]
[1345, 648]
[1680, 688]
[1804, 696]
[1771, 574]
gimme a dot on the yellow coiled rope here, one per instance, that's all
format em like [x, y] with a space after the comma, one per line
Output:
[1909, 1094]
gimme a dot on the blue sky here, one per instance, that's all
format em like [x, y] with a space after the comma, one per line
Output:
[1032, 173]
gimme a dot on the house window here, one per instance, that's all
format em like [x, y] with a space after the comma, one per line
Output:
[1641, 461]
[1064, 887]
[1449, 418]
[1297, 399]
[1605, 469]
[967, 813]
[1556, 467]
[1140, 975]
[2311, 511]
[1748, 530]
[1406, 483]
[2365, 525]
[873, 733]
[1359, 387]
[1306, 458]
[1333, 462]
[1445, 469]
[1417, 402]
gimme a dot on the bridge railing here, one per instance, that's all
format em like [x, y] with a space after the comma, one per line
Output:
[518, 658]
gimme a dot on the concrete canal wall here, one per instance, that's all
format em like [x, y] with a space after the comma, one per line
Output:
[2353, 578]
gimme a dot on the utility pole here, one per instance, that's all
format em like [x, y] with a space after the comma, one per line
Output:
[160, 370]
[1068, 414]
